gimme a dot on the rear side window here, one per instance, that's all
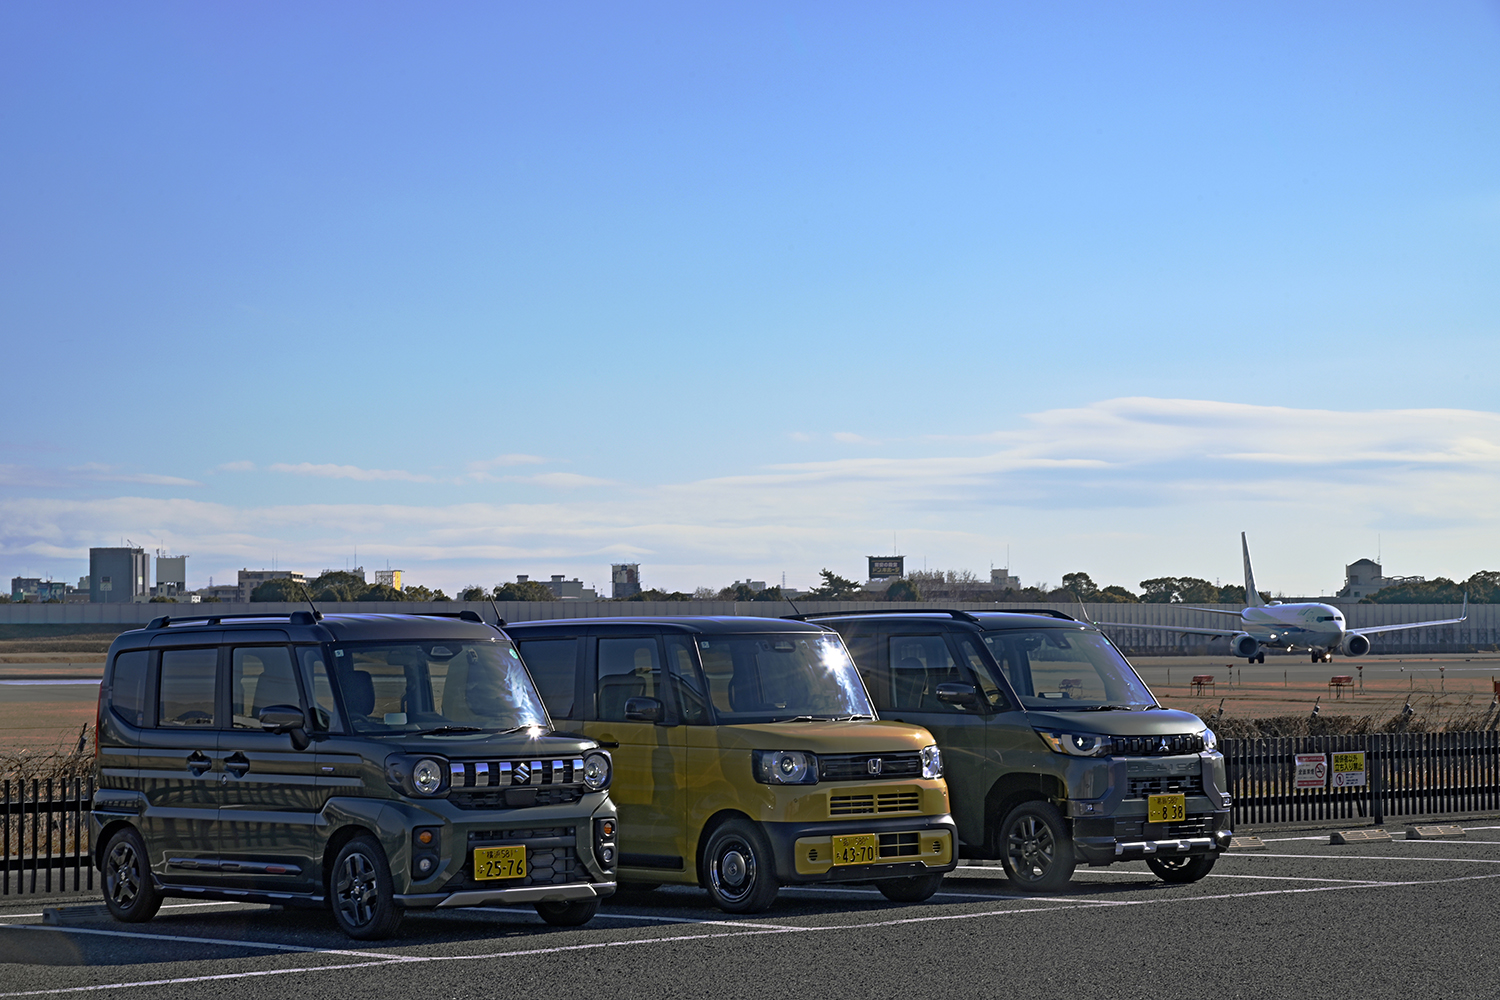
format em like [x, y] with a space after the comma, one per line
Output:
[127, 687]
[186, 695]
[628, 668]
[553, 664]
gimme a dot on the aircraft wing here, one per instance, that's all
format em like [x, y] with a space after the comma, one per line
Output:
[1397, 628]
[1181, 631]
[1216, 611]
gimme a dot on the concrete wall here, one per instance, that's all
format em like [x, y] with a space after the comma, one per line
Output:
[1481, 631]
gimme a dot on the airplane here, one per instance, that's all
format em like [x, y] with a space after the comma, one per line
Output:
[1317, 628]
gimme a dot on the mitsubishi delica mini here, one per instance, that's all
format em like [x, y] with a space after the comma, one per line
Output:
[1055, 750]
[747, 756]
[367, 763]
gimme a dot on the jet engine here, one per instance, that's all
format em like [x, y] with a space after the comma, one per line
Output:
[1246, 645]
[1354, 645]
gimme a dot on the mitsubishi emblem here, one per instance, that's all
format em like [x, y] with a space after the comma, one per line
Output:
[1165, 746]
[873, 765]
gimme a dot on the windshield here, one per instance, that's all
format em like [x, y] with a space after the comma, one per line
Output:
[1066, 670]
[440, 686]
[773, 678]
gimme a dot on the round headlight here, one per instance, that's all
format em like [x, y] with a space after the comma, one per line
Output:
[932, 762]
[789, 768]
[596, 771]
[427, 776]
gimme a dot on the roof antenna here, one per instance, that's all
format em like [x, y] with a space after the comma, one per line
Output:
[317, 615]
[499, 622]
[794, 606]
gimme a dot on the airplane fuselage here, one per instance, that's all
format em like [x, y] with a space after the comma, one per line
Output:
[1315, 627]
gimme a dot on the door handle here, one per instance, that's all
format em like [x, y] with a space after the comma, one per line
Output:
[237, 764]
[198, 762]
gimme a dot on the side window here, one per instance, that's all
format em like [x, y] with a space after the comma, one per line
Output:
[628, 668]
[186, 693]
[989, 686]
[864, 649]
[127, 687]
[553, 664]
[316, 683]
[259, 677]
[692, 696]
[919, 663]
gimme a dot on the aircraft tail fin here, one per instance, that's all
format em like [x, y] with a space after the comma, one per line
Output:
[1252, 596]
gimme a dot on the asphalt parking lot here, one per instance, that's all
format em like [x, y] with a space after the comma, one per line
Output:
[1302, 918]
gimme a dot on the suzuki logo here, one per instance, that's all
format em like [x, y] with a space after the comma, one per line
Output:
[873, 765]
[521, 775]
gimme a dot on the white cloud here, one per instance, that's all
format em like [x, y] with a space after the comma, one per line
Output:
[330, 471]
[242, 465]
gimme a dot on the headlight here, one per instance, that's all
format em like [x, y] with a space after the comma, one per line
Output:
[932, 762]
[786, 767]
[1210, 741]
[1078, 744]
[596, 770]
[427, 776]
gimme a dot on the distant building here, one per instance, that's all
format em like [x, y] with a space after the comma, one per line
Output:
[228, 593]
[1366, 576]
[171, 576]
[389, 577]
[756, 586]
[625, 580]
[566, 590]
[1001, 579]
[37, 590]
[119, 575]
[887, 567]
[249, 579]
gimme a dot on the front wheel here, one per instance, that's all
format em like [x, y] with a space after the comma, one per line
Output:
[129, 891]
[1182, 870]
[364, 906]
[568, 912]
[911, 889]
[1037, 850]
[739, 870]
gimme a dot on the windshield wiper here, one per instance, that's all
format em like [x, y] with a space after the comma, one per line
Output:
[825, 718]
[1105, 708]
[524, 725]
[857, 717]
[449, 730]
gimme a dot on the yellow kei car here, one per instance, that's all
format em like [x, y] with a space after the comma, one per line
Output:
[746, 755]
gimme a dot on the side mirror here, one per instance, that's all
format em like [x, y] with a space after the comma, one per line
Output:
[286, 719]
[963, 695]
[643, 710]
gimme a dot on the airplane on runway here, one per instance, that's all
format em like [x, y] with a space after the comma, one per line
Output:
[1317, 628]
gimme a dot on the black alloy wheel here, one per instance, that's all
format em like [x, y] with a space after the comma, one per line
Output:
[364, 906]
[738, 868]
[1181, 870]
[1036, 848]
[129, 891]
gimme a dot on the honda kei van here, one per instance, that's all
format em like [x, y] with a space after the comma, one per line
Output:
[1056, 751]
[366, 763]
[747, 756]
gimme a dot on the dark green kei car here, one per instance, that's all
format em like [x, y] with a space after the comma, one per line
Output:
[1054, 750]
[365, 763]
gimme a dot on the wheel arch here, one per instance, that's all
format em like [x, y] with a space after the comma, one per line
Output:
[336, 843]
[110, 829]
[1011, 790]
[711, 824]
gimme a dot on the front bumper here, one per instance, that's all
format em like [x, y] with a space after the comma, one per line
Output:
[1113, 826]
[915, 845]
[505, 897]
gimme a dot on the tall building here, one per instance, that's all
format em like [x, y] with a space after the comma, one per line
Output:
[625, 580]
[389, 577]
[1002, 580]
[119, 575]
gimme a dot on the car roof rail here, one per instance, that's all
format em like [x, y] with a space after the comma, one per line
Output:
[962, 616]
[1049, 612]
[293, 618]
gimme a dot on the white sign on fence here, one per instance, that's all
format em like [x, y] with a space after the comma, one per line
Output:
[1312, 770]
[1348, 769]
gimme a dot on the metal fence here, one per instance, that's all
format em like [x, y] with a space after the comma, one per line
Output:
[46, 835]
[1276, 780]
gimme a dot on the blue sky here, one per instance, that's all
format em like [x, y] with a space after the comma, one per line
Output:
[742, 290]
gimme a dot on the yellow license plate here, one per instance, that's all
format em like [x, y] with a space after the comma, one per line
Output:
[500, 862]
[856, 849]
[1166, 808]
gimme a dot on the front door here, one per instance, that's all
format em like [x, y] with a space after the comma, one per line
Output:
[649, 764]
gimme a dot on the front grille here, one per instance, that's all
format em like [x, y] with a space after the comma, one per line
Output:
[1157, 746]
[900, 845]
[551, 858]
[1186, 784]
[1139, 829]
[857, 766]
[500, 798]
[867, 804]
[514, 773]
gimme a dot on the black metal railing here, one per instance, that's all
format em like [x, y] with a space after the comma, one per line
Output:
[1398, 775]
[45, 835]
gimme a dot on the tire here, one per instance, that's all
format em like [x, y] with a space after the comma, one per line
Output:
[636, 888]
[129, 890]
[1182, 870]
[568, 912]
[738, 868]
[360, 889]
[912, 889]
[1036, 848]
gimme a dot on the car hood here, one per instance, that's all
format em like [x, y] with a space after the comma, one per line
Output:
[472, 745]
[1156, 722]
[826, 737]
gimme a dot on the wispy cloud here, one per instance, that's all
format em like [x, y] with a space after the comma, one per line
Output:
[243, 465]
[81, 475]
[331, 471]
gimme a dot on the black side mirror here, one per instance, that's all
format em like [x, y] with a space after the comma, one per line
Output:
[963, 695]
[286, 719]
[643, 710]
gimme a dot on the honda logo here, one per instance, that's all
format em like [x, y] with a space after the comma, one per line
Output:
[873, 765]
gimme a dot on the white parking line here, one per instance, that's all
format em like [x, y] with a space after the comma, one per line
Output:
[185, 939]
[165, 906]
[1298, 878]
[390, 959]
[1379, 857]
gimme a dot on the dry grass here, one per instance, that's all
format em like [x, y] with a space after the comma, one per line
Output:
[1428, 715]
[71, 757]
